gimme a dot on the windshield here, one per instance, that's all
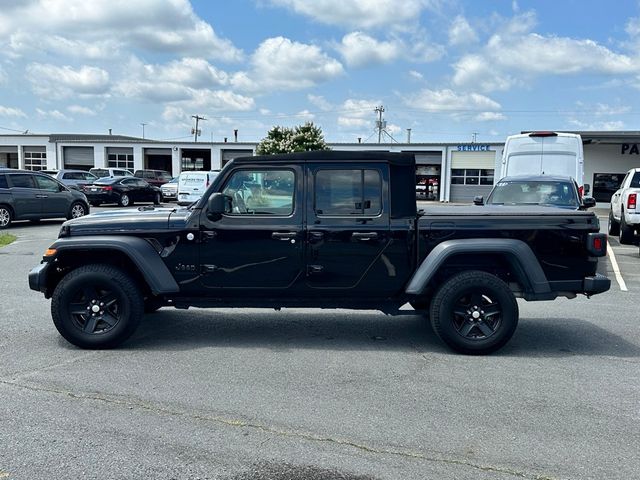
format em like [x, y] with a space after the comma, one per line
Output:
[557, 193]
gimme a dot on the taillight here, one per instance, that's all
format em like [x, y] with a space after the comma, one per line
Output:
[597, 244]
[580, 191]
[107, 189]
[631, 200]
[543, 134]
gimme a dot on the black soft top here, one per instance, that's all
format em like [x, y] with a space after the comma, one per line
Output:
[402, 169]
[399, 159]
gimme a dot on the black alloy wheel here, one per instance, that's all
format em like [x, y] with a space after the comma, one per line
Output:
[96, 306]
[627, 234]
[5, 217]
[474, 312]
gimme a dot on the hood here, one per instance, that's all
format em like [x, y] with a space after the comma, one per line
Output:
[127, 220]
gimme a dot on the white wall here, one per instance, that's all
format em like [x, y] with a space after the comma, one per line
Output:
[607, 159]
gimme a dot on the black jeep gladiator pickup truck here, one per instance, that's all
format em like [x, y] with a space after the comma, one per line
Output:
[319, 229]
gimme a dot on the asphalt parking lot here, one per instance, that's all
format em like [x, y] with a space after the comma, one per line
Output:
[306, 394]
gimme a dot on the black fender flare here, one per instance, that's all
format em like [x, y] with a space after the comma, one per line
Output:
[521, 258]
[138, 250]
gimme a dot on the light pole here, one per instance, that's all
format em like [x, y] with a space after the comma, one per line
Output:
[143, 124]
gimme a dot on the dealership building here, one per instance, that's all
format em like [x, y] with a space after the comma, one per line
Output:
[447, 172]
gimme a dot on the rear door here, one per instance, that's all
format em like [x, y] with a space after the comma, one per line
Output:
[347, 228]
[55, 198]
[26, 195]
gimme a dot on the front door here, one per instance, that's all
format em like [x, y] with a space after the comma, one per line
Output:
[257, 246]
[26, 195]
[348, 229]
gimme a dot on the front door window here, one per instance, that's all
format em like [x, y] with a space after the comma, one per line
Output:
[261, 192]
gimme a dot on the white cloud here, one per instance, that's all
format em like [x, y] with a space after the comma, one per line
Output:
[59, 82]
[490, 116]
[447, 100]
[633, 27]
[598, 126]
[320, 102]
[359, 13]
[357, 113]
[416, 75]
[359, 49]
[80, 110]
[516, 54]
[52, 115]
[461, 32]
[305, 115]
[11, 112]
[3, 76]
[93, 28]
[282, 64]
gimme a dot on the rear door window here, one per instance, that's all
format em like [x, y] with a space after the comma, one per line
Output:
[3, 181]
[22, 180]
[348, 192]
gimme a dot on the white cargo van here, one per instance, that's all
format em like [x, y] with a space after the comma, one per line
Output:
[545, 153]
[192, 185]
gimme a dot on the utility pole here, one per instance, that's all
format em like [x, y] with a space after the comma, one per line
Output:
[379, 110]
[195, 131]
[408, 135]
[143, 124]
[475, 135]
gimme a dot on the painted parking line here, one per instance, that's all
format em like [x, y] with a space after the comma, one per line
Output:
[616, 268]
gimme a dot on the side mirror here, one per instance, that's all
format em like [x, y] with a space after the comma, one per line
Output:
[218, 204]
[588, 202]
[479, 200]
[587, 188]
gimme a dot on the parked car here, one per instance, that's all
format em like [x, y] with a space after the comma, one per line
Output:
[543, 190]
[170, 189]
[72, 178]
[27, 195]
[124, 191]
[110, 172]
[192, 185]
[325, 229]
[545, 153]
[624, 215]
[154, 177]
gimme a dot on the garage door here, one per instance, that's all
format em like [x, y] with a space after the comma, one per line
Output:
[78, 157]
[472, 174]
[228, 155]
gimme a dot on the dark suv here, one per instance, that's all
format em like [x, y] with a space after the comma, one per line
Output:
[154, 177]
[26, 195]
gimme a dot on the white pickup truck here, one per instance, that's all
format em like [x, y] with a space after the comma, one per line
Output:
[624, 216]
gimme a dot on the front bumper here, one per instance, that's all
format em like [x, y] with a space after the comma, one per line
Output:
[38, 277]
[596, 284]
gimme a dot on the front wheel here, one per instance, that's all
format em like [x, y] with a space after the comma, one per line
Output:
[474, 313]
[5, 217]
[97, 306]
[77, 210]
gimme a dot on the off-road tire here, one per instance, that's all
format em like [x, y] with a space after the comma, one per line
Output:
[451, 326]
[78, 288]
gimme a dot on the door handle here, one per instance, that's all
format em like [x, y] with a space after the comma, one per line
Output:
[364, 235]
[315, 236]
[42, 196]
[283, 235]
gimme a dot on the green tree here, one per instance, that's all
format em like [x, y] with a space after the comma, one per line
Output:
[286, 140]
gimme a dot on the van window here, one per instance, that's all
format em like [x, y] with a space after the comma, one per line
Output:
[100, 172]
[564, 164]
[22, 180]
[47, 183]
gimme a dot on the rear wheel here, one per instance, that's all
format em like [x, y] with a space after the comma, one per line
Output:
[613, 227]
[124, 200]
[97, 306]
[627, 234]
[157, 199]
[6, 216]
[474, 313]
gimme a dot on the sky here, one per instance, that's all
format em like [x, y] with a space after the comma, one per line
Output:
[449, 70]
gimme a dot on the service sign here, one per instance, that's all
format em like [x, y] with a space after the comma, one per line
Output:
[474, 147]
